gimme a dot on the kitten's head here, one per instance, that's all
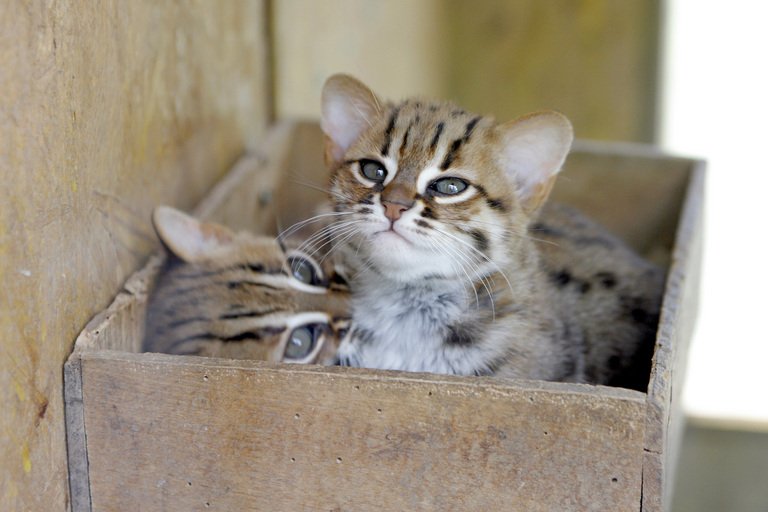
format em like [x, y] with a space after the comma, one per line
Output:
[241, 296]
[436, 190]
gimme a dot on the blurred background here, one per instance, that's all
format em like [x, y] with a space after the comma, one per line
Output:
[108, 108]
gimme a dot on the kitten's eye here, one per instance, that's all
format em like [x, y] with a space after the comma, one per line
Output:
[304, 271]
[373, 170]
[302, 341]
[449, 186]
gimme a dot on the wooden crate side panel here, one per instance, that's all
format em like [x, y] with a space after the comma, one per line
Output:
[664, 415]
[192, 434]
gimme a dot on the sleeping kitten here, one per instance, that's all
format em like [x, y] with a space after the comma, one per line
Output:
[241, 296]
[446, 276]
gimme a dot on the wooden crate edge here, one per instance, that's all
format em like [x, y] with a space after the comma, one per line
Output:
[77, 441]
[664, 418]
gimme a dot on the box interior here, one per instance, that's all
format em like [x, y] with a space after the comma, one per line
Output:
[637, 193]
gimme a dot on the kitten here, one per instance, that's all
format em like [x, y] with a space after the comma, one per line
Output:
[241, 296]
[610, 293]
[447, 277]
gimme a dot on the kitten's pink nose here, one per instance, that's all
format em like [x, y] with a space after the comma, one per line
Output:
[393, 211]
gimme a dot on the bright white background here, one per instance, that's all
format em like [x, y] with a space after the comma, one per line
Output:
[715, 105]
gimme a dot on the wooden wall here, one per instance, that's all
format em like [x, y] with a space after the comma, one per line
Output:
[594, 60]
[394, 46]
[106, 108]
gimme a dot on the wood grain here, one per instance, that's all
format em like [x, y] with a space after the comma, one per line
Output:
[106, 109]
[225, 435]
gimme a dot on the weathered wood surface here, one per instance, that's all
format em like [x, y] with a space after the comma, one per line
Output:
[191, 434]
[106, 109]
[665, 421]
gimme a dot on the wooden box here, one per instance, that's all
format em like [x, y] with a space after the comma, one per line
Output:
[157, 432]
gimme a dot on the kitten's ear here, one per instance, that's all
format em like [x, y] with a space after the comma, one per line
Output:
[186, 237]
[533, 149]
[348, 108]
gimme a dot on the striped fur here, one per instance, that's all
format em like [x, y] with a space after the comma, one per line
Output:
[448, 278]
[236, 295]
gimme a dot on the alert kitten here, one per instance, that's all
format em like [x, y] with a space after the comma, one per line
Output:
[241, 296]
[447, 277]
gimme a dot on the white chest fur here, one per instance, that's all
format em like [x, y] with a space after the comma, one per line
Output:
[401, 326]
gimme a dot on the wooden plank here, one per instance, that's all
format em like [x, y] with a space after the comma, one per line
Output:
[107, 108]
[664, 422]
[173, 433]
[77, 447]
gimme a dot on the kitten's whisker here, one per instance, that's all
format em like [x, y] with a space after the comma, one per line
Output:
[367, 264]
[476, 270]
[479, 252]
[451, 260]
[316, 218]
[324, 189]
[359, 244]
[335, 235]
[318, 242]
[339, 242]
[327, 230]
[310, 245]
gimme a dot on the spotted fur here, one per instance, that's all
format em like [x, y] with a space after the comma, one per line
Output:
[608, 291]
[240, 296]
[447, 276]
